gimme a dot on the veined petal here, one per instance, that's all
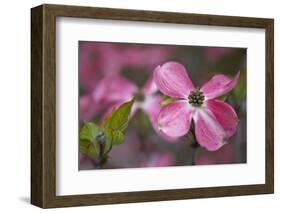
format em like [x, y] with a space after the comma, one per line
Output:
[219, 85]
[174, 119]
[152, 108]
[208, 132]
[173, 80]
[224, 114]
[114, 89]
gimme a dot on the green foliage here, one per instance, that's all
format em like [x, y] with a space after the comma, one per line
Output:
[239, 91]
[114, 136]
[167, 100]
[118, 119]
[87, 137]
[88, 149]
[88, 131]
[223, 97]
[96, 142]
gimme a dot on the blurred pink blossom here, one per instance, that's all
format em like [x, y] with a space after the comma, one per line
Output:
[117, 90]
[214, 120]
[114, 88]
[99, 59]
[88, 107]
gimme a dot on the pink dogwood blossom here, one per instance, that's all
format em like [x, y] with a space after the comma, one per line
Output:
[116, 90]
[100, 59]
[214, 120]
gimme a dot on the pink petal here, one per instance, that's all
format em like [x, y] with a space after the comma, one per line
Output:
[225, 115]
[152, 108]
[219, 85]
[150, 86]
[174, 119]
[114, 89]
[172, 80]
[208, 132]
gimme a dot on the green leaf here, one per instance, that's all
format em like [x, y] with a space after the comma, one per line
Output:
[223, 98]
[83, 147]
[107, 146]
[98, 141]
[87, 148]
[97, 147]
[118, 119]
[88, 132]
[239, 91]
[114, 136]
[87, 138]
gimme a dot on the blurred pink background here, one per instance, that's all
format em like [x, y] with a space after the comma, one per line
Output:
[100, 63]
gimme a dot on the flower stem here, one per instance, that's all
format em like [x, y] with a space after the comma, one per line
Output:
[194, 154]
[194, 145]
[101, 163]
[98, 164]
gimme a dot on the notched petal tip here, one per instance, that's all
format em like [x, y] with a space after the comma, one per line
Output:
[219, 85]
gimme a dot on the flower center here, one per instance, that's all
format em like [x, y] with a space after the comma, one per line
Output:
[196, 98]
[139, 96]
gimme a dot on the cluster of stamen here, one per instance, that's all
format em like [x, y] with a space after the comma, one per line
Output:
[196, 98]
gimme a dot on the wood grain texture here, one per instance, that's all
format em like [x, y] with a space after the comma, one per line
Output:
[43, 105]
[269, 118]
[36, 107]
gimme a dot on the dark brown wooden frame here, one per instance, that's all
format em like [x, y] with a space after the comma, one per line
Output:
[43, 105]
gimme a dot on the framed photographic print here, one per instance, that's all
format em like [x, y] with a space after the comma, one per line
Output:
[136, 106]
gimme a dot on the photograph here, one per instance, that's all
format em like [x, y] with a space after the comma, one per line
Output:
[154, 105]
